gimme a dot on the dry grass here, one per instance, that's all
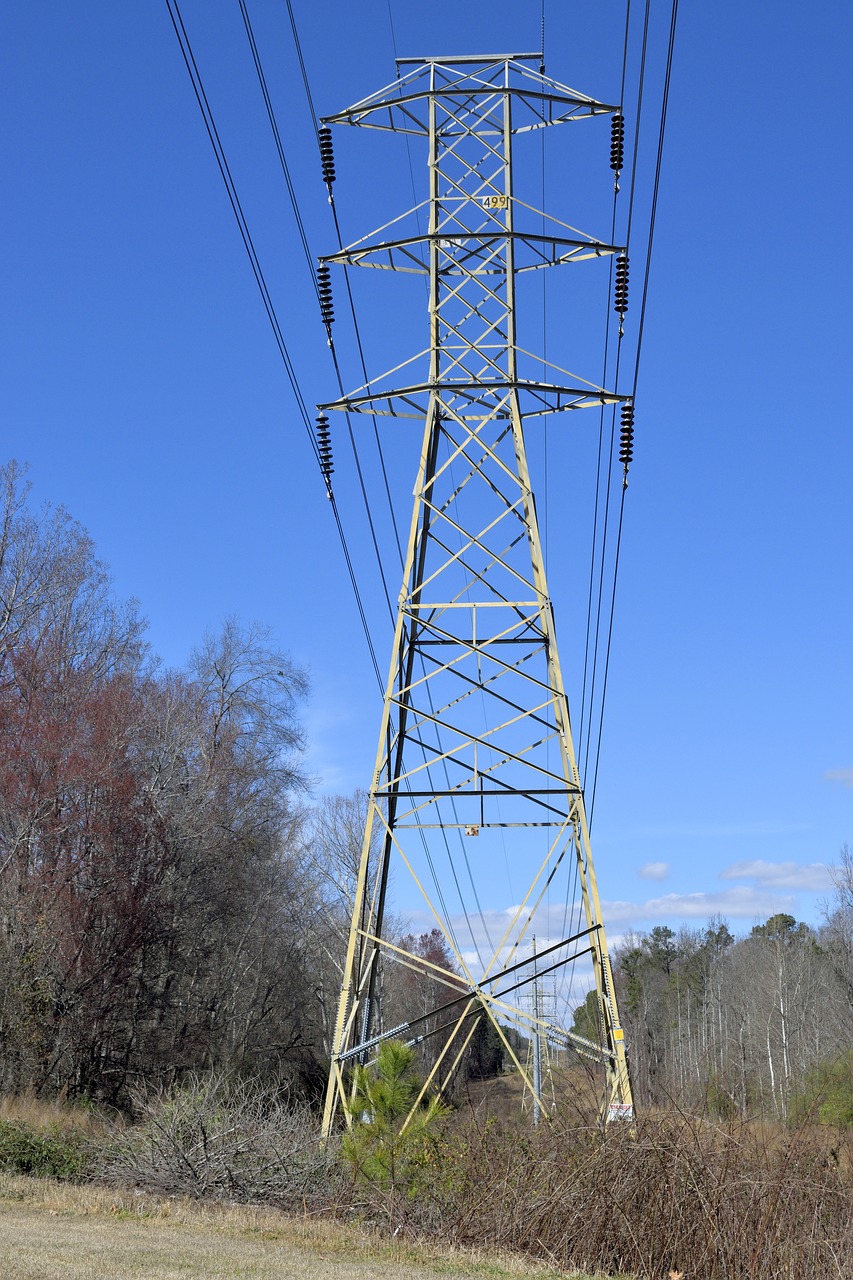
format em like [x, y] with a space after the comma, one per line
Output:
[54, 1231]
[38, 1113]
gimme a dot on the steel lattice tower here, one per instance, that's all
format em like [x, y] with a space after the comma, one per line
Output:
[475, 736]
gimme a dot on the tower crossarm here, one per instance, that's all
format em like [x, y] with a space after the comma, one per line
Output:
[403, 106]
[403, 254]
[467, 398]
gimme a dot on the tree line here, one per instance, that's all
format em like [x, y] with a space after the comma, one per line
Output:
[154, 906]
[757, 1025]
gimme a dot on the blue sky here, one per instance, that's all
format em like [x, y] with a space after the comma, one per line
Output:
[141, 382]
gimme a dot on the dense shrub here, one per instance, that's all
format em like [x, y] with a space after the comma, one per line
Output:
[826, 1093]
[218, 1137]
[55, 1152]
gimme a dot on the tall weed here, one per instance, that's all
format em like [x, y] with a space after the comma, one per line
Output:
[713, 1201]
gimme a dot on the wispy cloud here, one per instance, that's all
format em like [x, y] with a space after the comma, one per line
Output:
[812, 876]
[550, 925]
[742, 902]
[844, 776]
[654, 871]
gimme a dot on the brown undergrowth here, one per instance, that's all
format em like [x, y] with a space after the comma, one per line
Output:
[672, 1192]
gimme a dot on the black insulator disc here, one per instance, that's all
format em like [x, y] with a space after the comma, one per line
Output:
[617, 136]
[326, 155]
[324, 445]
[324, 290]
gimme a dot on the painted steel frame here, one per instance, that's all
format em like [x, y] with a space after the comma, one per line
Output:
[474, 626]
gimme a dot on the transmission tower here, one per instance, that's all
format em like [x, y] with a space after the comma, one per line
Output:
[475, 762]
[542, 1003]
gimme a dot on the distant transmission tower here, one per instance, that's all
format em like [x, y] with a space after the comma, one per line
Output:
[542, 1003]
[476, 764]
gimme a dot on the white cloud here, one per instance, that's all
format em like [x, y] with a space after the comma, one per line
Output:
[550, 925]
[813, 876]
[741, 902]
[654, 871]
[844, 776]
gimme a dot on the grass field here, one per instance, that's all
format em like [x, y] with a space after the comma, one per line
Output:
[53, 1231]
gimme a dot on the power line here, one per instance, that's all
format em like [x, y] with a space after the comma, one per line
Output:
[310, 261]
[278, 143]
[302, 68]
[605, 485]
[306, 250]
[245, 234]
[641, 326]
[234, 199]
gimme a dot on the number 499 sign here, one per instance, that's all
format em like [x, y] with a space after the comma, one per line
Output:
[496, 202]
